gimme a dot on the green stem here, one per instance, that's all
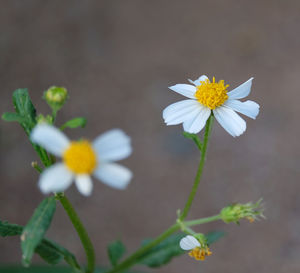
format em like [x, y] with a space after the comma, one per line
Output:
[82, 233]
[189, 202]
[202, 220]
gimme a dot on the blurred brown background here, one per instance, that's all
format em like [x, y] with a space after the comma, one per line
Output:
[117, 59]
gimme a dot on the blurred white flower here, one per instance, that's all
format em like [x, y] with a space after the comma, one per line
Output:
[197, 251]
[189, 242]
[205, 98]
[81, 159]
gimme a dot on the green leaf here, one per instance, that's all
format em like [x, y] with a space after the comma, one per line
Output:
[195, 138]
[50, 251]
[115, 251]
[36, 228]
[9, 117]
[74, 123]
[25, 109]
[7, 229]
[214, 236]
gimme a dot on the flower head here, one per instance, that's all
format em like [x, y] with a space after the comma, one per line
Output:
[81, 159]
[198, 250]
[236, 212]
[207, 97]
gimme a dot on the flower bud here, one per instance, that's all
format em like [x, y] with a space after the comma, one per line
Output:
[236, 212]
[56, 97]
[44, 119]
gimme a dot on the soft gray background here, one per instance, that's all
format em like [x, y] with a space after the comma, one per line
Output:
[117, 59]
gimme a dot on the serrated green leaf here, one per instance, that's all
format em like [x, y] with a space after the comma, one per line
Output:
[36, 228]
[74, 123]
[115, 251]
[25, 109]
[9, 117]
[214, 236]
[50, 251]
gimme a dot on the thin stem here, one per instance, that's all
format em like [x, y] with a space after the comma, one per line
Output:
[82, 233]
[132, 259]
[202, 220]
[189, 202]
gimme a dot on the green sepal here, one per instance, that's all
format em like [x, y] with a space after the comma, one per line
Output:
[74, 123]
[36, 228]
[195, 138]
[115, 251]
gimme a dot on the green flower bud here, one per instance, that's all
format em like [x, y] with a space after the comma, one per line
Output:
[56, 97]
[236, 212]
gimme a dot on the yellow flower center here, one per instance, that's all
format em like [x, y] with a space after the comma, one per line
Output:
[80, 157]
[212, 94]
[200, 253]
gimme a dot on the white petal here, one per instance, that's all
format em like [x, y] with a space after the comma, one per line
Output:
[230, 120]
[189, 242]
[196, 123]
[112, 145]
[84, 184]
[186, 90]
[180, 111]
[248, 108]
[241, 91]
[50, 138]
[197, 82]
[56, 178]
[113, 175]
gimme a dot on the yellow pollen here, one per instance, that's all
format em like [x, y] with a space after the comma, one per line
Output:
[80, 157]
[212, 94]
[200, 253]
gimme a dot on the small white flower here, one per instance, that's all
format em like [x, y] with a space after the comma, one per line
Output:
[206, 97]
[189, 242]
[81, 159]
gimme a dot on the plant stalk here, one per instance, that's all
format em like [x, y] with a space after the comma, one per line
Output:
[189, 202]
[81, 231]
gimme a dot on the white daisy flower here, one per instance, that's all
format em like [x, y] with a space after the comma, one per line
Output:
[206, 97]
[81, 159]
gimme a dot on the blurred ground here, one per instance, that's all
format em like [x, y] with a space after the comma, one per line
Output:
[117, 59]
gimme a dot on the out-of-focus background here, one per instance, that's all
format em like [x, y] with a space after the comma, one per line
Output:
[117, 59]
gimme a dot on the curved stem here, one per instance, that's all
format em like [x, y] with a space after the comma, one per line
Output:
[82, 233]
[189, 202]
